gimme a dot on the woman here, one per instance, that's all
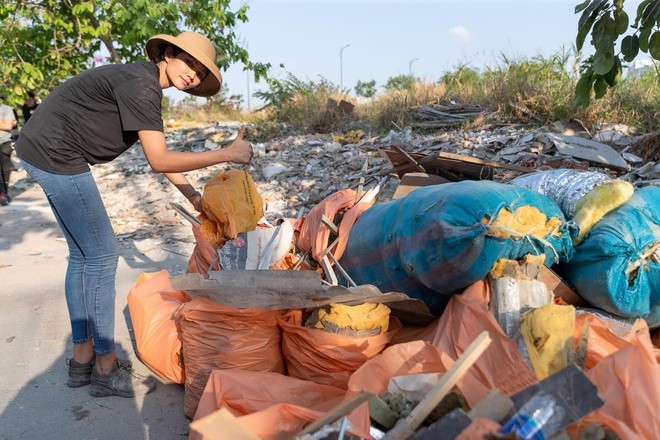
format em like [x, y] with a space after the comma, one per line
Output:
[92, 118]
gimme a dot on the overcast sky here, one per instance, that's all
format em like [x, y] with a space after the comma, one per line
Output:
[386, 38]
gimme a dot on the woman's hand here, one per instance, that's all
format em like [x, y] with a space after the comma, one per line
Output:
[196, 201]
[241, 150]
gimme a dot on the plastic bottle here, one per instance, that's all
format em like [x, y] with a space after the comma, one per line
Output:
[537, 419]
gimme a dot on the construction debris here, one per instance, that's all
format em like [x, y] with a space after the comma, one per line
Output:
[339, 372]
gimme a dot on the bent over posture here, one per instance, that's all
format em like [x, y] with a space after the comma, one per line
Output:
[92, 118]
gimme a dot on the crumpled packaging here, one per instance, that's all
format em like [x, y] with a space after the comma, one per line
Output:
[232, 201]
[564, 186]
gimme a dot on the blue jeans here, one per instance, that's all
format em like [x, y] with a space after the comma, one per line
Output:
[93, 255]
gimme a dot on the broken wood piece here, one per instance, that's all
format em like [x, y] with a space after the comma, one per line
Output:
[405, 428]
[337, 412]
[412, 181]
[473, 166]
[409, 158]
[330, 275]
[329, 223]
[221, 425]
[453, 167]
[363, 175]
[559, 287]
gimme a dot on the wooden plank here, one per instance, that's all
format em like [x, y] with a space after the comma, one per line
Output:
[221, 425]
[412, 181]
[559, 287]
[337, 412]
[409, 158]
[475, 160]
[405, 428]
[454, 167]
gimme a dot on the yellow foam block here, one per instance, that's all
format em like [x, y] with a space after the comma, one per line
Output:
[548, 336]
[361, 317]
[525, 220]
[597, 203]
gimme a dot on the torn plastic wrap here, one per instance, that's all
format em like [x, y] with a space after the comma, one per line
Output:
[440, 239]
[565, 187]
[616, 267]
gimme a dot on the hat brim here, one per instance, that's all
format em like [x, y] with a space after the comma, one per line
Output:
[211, 83]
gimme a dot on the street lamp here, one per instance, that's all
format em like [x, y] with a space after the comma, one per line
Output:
[410, 66]
[341, 66]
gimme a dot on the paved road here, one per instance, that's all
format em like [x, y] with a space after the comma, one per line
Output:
[35, 336]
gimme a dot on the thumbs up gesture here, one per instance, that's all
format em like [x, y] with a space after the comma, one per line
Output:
[241, 150]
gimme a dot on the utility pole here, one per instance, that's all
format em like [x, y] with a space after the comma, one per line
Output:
[248, 90]
[410, 66]
[341, 66]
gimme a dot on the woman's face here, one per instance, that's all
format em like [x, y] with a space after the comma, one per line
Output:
[185, 72]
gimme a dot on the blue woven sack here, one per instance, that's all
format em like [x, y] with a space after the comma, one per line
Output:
[438, 239]
[613, 268]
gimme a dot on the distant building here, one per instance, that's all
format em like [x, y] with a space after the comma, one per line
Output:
[639, 67]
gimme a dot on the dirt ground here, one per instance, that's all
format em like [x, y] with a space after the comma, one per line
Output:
[35, 337]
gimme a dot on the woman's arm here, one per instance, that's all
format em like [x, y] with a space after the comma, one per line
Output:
[188, 191]
[163, 160]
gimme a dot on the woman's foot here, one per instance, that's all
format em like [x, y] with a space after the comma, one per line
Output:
[121, 381]
[79, 374]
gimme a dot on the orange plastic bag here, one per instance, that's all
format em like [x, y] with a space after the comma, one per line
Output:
[629, 383]
[232, 201]
[349, 219]
[152, 304]
[324, 357]
[501, 366]
[220, 337]
[416, 357]
[604, 337]
[203, 255]
[272, 406]
[314, 234]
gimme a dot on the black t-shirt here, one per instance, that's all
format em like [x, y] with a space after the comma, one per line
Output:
[28, 110]
[92, 118]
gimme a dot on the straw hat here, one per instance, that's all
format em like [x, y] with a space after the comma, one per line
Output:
[200, 48]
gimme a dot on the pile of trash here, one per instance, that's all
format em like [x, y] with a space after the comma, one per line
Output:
[483, 285]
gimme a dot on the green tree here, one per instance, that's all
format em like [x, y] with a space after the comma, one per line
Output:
[366, 89]
[400, 82]
[44, 42]
[607, 22]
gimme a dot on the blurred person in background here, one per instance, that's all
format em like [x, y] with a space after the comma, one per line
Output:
[7, 126]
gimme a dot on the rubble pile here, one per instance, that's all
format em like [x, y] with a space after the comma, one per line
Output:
[436, 276]
[295, 172]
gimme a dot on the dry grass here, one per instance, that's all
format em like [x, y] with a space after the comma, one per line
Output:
[534, 91]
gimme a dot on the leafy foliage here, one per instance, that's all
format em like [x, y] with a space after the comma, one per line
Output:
[400, 82]
[45, 42]
[366, 89]
[607, 22]
[303, 104]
